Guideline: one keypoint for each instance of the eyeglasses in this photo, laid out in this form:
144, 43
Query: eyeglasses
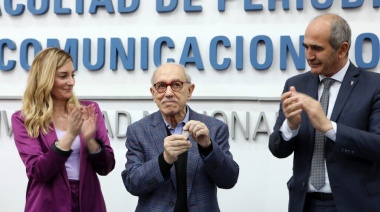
162, 86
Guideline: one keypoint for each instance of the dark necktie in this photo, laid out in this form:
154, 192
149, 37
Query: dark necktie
181, 175
318, 164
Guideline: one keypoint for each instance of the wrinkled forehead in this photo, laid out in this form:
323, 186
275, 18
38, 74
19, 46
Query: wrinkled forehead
169, 72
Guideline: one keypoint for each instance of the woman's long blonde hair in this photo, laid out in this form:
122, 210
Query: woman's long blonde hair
37, 103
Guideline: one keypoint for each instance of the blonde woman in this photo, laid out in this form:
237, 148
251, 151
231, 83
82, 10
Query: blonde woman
62, 141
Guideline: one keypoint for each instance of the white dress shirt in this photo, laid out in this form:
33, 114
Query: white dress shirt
287, 133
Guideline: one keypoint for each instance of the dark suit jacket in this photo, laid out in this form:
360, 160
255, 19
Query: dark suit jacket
353, 160
48, 186
142, 176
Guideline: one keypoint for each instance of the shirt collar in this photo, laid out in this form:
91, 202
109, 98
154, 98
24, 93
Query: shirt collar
183, 122
339, 75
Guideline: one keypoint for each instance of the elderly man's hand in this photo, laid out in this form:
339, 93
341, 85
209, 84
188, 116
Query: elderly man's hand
175, 145
199, 132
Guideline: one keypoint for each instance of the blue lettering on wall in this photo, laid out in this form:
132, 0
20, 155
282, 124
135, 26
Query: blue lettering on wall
8, 6
191, 48
79, 6
100, 54
248, 6
239, 53
71, 46
272, 5
223, 52
122, 8
351, 4
161, 8
144, 55
286, 46
221, 5
58, 9
157, 49
42, 10
376, 3
299, 4
267, 42
107, 4
117, 50
25, 45
360, 40
188, 7
215, 43
10, 63
322, 6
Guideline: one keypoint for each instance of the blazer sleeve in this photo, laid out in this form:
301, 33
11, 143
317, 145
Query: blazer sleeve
102, 162
219, 164
42, 162
141, 176
358, 132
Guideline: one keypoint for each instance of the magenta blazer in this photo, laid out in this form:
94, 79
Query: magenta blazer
48, 186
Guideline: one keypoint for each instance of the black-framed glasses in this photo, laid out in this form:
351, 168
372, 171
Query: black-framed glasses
175, 86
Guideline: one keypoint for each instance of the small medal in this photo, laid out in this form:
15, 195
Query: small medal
185, 133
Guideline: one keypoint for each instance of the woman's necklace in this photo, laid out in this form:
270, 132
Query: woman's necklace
61, 116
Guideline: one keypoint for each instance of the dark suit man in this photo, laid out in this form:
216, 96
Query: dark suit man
177, 158
351, 125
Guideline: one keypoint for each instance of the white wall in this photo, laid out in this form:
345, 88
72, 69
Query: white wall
262, 177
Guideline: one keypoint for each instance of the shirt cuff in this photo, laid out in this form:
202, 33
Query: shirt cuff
204, 152
100, 145
286, 132
60, 151
331, 134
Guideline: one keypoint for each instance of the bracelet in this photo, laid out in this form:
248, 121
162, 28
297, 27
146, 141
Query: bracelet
57, 145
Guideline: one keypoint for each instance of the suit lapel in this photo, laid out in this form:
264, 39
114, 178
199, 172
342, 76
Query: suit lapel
312, 86
158, 131
193, 158
312, 90
349, 82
